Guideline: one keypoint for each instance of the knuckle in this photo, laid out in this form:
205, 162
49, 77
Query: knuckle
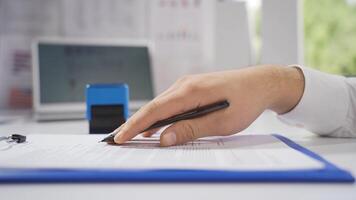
189, 131
188, 84
191, 87
184, 78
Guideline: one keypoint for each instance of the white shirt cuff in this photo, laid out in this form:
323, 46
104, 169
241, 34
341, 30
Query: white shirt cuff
324, 104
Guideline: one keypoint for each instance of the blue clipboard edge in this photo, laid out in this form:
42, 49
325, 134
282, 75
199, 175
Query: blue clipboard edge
330, 173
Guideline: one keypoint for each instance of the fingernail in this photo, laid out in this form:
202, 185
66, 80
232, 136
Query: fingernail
118, 134
118, 137
169, 139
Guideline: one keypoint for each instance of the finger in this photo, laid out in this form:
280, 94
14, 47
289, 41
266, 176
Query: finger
189, 130
158, 109
149, 133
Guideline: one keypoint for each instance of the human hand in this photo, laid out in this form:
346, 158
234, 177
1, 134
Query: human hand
249, 91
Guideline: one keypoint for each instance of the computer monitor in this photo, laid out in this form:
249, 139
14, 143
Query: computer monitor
63, 68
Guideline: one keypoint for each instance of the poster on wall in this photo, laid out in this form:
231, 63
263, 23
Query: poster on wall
21, 21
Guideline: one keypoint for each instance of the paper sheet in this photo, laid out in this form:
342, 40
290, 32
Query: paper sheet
240, 152
105, 18
182, 33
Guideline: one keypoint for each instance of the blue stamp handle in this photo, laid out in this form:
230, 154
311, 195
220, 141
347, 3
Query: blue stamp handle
107, 94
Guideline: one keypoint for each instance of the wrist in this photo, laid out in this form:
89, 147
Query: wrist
288, 88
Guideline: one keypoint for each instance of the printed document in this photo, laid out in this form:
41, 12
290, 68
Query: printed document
238, 152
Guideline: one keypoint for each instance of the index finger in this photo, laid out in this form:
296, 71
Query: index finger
159, 108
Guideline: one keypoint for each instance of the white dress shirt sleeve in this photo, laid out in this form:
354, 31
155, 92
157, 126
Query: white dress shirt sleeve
328, 105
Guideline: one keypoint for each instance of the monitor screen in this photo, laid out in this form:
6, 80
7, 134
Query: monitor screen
65, 70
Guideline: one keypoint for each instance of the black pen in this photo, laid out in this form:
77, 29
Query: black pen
194, 113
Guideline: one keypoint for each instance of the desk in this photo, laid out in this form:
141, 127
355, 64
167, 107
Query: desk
339, 151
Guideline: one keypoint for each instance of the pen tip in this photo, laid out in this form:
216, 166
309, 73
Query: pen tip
103, 140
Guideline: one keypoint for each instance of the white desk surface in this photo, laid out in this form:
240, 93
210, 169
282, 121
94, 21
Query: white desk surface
337, 150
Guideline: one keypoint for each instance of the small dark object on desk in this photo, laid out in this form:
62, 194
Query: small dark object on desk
18, 138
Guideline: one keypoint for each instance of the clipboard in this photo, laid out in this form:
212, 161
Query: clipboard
330, 173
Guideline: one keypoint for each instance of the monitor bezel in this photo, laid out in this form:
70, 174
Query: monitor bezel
80, 106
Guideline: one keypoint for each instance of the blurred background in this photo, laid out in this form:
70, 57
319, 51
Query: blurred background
189, 36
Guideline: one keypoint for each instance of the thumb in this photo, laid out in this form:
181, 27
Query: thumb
182, 132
